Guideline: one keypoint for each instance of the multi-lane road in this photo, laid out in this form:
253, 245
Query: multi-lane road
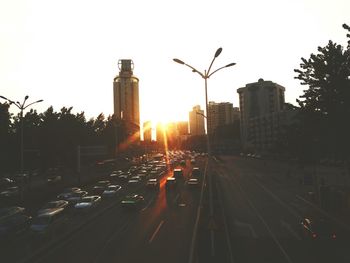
249, 211
264, 207
162, 228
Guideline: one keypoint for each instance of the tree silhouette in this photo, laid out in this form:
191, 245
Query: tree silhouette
325, 105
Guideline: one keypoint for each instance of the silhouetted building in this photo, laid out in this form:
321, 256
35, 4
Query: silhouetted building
160, 133
262, 114
126, 95
182, 127
220, 114
147, 131
196, 121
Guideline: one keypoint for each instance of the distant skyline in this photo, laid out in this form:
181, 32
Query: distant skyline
67, 52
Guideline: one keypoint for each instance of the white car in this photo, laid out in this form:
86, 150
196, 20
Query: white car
53, 205
88, 202
111, 190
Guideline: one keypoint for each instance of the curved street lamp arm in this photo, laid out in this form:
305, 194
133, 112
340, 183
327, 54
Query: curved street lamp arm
229, 65
32, 104
210, 66
196, 71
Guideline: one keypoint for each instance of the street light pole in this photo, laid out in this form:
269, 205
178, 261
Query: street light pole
206, 75
22, 106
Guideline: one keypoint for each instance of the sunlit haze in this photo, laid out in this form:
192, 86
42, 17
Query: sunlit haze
67, 52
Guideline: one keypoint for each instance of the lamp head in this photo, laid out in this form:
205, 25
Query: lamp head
217, 53
230, 65
179, 61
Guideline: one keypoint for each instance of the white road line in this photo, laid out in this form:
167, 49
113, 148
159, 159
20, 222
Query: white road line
195, 228
248, 226
278, 199
148, 204
155, 232
177, 197
288, 259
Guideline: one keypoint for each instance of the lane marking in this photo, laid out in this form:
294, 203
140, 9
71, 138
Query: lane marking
176, 197
246, 225
155, 232
277, 199
148, 204
288, 259
228, 240
195, 228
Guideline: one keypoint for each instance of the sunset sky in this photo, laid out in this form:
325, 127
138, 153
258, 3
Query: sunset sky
66, 52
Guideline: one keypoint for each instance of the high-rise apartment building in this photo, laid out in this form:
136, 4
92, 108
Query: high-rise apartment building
262, 114
219, 114
126, 95
196, 121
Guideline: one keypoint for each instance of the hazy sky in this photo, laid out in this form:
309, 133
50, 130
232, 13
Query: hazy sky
66, 51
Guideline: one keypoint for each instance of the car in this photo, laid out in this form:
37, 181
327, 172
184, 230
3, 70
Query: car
111, 190
10, 192
13, 221
317, 229
53, 179
132, 201
75, 197
67, 191
87, 203
195, 172
124, 176
170, 183
53, 205
6, 182
100, 187
115, 174
193, 182
153, 183
178, 173
49, 222
134, 182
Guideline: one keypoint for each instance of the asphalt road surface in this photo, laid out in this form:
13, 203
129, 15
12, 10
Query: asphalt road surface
249, 211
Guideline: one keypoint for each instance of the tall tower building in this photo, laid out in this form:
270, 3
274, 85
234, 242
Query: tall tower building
196, 121
126, 95
261, 104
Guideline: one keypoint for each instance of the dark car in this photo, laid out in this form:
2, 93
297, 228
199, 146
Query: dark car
170, 183
100, 187
195, 172
67, 191
13, 221
10, 192
54, 179
318, 229
132, 201
6, 182
193, 183
153, 183
178, 173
